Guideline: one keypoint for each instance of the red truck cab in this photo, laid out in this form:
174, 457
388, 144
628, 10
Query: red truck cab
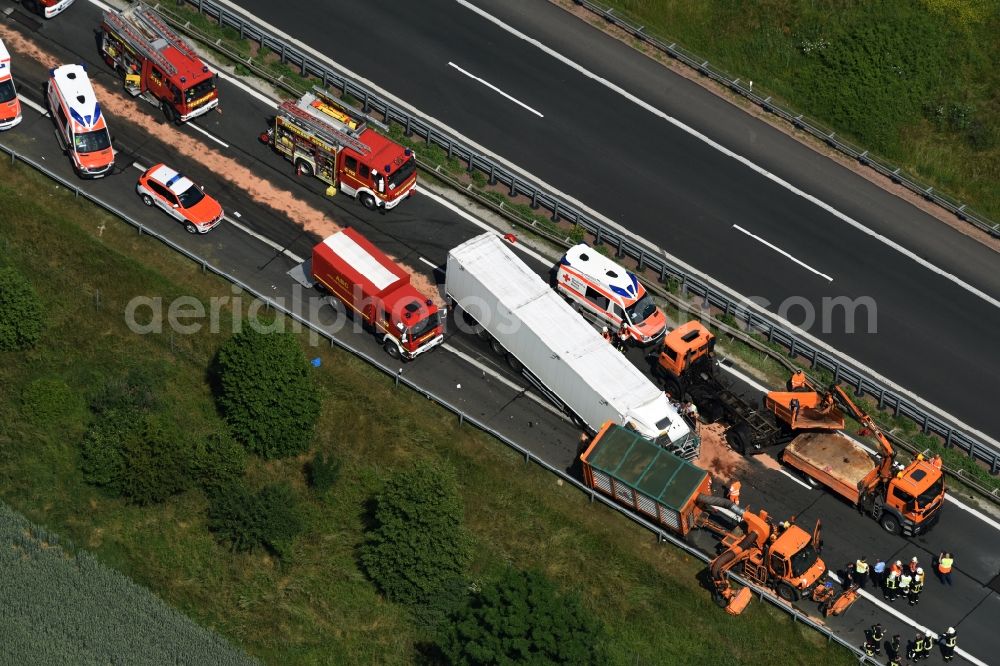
372, 285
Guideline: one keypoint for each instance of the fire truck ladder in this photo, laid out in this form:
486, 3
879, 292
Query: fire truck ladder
306, 122
137, 40
147, 15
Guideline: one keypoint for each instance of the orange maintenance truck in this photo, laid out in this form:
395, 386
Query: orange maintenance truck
157, 64
330, 140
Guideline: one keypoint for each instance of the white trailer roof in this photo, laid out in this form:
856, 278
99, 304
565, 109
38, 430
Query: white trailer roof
359, 259
564, 331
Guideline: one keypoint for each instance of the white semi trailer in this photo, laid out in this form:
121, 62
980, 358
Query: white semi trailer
565, 358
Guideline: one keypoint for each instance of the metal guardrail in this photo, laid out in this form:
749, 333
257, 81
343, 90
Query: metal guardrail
399, 378
517, 185
800, 121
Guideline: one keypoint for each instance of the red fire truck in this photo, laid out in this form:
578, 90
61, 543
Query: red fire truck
157, 64
406, 322
324, 138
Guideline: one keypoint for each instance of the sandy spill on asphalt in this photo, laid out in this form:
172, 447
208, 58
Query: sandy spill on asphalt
258, 189
716, 457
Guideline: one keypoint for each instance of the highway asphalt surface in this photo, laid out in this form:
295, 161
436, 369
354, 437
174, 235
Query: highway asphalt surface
465, 372
934, 337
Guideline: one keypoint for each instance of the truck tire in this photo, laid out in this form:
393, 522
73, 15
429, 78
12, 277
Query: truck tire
33, 7
719, 600
739, 439
671, 386
787, 592
170, 114
497, 347
514, 364
890, 523
303, 167
391, 349
367, 200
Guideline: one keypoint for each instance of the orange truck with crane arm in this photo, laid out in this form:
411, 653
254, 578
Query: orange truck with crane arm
807, 423
676, 495
156, 64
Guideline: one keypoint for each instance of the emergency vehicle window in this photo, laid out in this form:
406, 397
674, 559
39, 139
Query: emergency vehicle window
162, 191
62, 116
7, 91
175, 93
617, 311
350, 163
597, 298
365, 171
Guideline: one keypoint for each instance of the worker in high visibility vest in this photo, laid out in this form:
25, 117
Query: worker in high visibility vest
861, 572
797, 381
904, 583
945, 562
949, 641
916, 650
734, 492
916, 587
891, 586
873, 640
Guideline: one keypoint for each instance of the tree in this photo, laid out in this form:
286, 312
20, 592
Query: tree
246, 520
521, 619
21, 319
418, 547
267, 393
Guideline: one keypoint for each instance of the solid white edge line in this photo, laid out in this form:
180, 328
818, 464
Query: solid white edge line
792, 477
904, 618
782, 252
208, 134
482, 225
978, 514
34, 105
495, 89
733, 295
503, 380
429, 263
263, 239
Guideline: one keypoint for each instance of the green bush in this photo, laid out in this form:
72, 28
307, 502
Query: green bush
217, 461
135, 456
521, 619
136, 390
21, 318
418, 546
246, 520
267, 393
323, 471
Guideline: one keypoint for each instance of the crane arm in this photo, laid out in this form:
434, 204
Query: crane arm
886, 450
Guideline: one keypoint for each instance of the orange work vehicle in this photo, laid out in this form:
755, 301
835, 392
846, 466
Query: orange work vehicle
10, 106
405, 322
156, 64
330, 140
80, 124
906, 500
784, 559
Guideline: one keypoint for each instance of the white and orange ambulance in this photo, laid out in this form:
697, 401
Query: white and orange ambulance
80, 124
609, 294
10, 106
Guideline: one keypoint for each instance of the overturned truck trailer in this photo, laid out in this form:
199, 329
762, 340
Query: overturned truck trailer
562, 355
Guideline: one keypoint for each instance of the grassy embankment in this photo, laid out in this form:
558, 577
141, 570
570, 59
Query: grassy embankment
315, 606
914, 81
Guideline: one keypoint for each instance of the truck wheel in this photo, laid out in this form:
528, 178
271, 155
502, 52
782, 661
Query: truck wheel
672, 386
148, 200
391, 349
497, 347
33, 6
890, 524
514, 364
367, 200
304, 167
739, 439
787, 592
719, 600
170, 114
